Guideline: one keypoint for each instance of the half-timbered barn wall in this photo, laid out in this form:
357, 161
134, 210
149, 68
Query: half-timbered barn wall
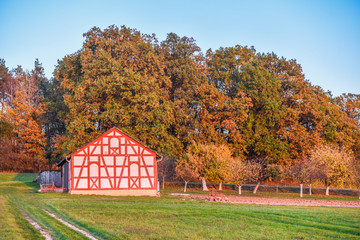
113, 164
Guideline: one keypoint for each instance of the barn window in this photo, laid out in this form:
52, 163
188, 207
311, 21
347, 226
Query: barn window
114, 143
134, 170
94, 170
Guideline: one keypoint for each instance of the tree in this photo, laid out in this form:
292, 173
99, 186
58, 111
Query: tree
53, 119
219, 157
260, 106
224, 67
263, 173
355, 173
8, 86
118, 79
277, 173
5, 129
6, 143
301, 171
8, 156
240, 172
24, 114
198, 158
186, 172
209, 161
332, 163
301, 104
287, 116
166, 168
350, 103
202, 112
262, 126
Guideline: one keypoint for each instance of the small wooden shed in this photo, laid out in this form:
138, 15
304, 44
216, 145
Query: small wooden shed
113, 164
49, 177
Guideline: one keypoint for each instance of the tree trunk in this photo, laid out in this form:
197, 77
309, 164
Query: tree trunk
163, 183
205, 188
301, 190
327, 190
185, 187
239, 189
277, 187
220, 186
256, 187
310, 189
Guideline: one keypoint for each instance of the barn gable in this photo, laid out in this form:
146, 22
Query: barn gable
114, 164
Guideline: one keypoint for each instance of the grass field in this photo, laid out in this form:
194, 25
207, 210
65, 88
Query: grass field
164, 218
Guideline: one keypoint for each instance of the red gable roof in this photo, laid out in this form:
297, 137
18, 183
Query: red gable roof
158, 156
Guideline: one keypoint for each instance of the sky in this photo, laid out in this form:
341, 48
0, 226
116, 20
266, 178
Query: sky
323, 36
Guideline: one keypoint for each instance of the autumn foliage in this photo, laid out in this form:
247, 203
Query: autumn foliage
216, 112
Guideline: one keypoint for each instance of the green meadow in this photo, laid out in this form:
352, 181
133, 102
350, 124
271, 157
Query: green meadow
166, 217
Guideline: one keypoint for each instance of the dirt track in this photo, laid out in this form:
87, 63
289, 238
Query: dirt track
288, 202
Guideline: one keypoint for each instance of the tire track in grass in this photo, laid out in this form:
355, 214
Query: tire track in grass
21, 198
50, 229
42, 231
85, 233
30, 211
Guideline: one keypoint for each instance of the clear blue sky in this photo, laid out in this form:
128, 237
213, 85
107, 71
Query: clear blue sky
323, 36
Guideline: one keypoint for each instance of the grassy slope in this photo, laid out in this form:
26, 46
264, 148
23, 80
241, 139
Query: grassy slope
171, 217
12, 223
21, 198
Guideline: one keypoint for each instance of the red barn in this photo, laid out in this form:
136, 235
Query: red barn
113, 164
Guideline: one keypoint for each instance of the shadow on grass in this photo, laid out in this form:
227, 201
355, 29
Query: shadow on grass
28, 179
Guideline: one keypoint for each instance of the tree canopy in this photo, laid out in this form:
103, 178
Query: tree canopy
230, 104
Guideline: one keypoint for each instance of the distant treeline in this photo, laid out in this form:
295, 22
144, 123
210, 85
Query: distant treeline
172, 97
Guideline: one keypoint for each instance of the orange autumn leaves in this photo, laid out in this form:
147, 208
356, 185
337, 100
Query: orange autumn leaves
170, 94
